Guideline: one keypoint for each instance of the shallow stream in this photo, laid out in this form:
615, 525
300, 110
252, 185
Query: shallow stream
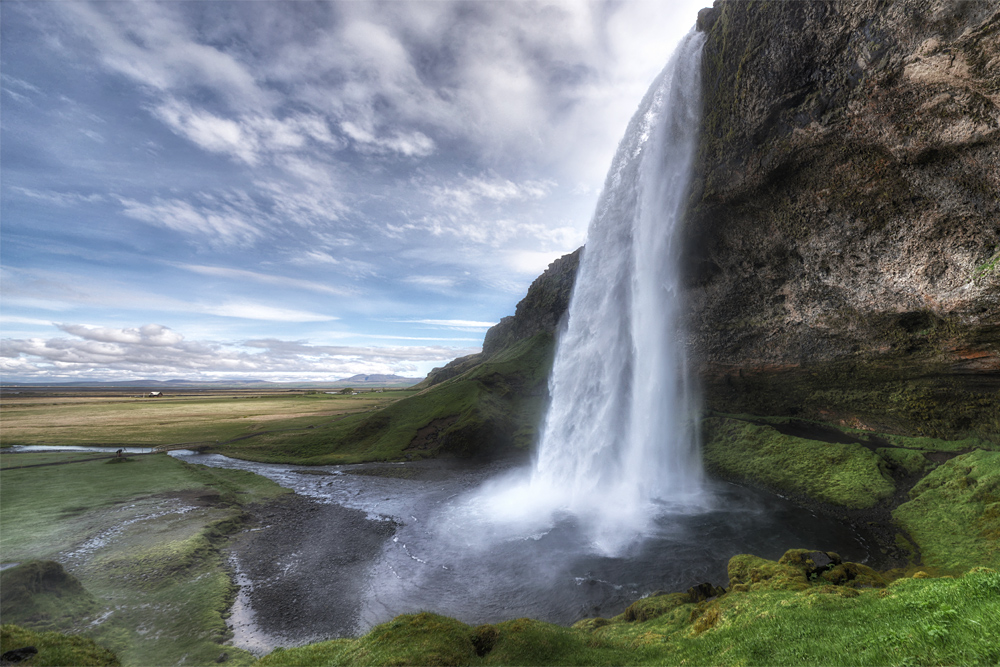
445, 558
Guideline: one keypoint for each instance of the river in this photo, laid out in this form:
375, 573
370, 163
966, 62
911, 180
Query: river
437, 551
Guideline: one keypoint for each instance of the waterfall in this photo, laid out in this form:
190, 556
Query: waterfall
619, 445
620, 432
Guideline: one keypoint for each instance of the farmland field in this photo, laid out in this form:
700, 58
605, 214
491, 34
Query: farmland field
189, 417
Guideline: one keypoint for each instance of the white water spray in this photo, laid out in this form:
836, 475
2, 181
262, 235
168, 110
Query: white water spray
620, 441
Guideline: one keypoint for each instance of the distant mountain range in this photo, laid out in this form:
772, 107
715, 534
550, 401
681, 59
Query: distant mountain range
381, 379
245, 383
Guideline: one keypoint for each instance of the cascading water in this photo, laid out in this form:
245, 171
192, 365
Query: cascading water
618, 458
619, 443
619, 433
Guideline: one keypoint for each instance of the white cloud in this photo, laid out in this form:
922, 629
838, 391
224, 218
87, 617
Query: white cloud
466, 194
231, 223
460, 325
256, 311
432, 282
412, 144
208, 131
151, 44
154, 335
65, 199
268, 279
15, 319
155, 351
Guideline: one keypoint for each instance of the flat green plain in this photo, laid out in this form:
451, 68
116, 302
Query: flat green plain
196, 418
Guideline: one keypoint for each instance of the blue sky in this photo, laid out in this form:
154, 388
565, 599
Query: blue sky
298, 190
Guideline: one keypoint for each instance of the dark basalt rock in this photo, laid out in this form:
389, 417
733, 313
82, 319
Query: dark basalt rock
17, 655
705, 591
842, 235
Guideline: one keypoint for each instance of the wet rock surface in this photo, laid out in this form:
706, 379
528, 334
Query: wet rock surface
307, 564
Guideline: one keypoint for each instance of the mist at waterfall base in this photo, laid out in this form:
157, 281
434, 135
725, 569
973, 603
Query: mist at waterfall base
619, 446
615, 506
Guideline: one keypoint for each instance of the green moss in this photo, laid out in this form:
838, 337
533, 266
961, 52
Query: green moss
910, 460
43, 594
854, 575
912, 621
751, 573
651, 607
55, 649
417, 639
922, 444
954, 512
841, 474
986, 268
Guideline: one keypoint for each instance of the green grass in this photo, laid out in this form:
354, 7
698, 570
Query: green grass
87, 420
154, 583
55, 649
954, 512
910, 622
912, 461
47, 510
42, 592
490, 409
848, 475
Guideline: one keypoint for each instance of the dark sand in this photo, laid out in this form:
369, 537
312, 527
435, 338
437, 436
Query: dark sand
307, 562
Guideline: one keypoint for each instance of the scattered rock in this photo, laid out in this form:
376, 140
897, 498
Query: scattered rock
705, 591
17, 655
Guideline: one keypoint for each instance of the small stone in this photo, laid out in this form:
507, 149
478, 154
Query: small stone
18, 655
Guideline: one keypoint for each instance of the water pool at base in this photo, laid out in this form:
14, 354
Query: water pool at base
445, 559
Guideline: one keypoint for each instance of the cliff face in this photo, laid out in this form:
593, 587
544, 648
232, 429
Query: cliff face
844, 229
538, 312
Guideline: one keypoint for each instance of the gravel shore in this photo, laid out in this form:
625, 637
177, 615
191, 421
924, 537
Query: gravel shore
302, 566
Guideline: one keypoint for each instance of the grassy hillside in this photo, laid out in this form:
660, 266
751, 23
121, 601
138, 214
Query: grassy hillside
491, 409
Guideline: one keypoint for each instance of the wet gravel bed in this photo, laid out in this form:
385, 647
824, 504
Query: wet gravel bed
304, 568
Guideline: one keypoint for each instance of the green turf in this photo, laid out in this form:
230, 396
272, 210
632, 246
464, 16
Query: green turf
55, 649
795, 622
842, 474
954, 512
143, 539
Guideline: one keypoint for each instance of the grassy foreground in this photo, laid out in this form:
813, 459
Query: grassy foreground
142, 574
911, 621
806, 609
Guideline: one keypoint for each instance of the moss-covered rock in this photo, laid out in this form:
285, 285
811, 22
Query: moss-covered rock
752, 573
45, 596
651, 607
854, 575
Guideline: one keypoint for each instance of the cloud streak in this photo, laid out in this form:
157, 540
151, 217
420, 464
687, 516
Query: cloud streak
155, 351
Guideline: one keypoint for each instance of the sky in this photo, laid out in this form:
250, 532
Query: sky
298, 191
